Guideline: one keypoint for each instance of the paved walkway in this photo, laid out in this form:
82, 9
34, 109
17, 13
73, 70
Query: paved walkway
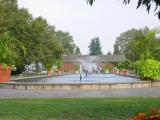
12, 93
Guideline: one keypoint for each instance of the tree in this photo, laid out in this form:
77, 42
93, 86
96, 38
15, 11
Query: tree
138, 44
146, 46
44, 47
122, 41
36, 35
77, 51
147, 3
67, 42
109, 53
8, 9
95, 47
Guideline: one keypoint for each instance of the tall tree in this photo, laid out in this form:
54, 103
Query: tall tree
77, 51
95, 47
109, 53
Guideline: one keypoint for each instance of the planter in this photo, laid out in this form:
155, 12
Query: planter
49, 73
5, 73
126, 72
121, 72
58, 72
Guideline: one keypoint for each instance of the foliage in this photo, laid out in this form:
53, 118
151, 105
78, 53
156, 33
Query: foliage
108, 66
122, 41
153, 115
148, 70
41, 41
77, 51
59, 64
138, 65
9, 49
147, 3
48, 66
90, 1
66, 41
77, 67
124, 65
147, 45
138, 44
109, 53
95, 47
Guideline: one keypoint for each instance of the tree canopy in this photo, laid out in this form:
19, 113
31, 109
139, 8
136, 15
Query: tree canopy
66, 41
147, 3
41, 41
139, 44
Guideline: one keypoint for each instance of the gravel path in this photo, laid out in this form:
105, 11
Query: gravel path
12, 93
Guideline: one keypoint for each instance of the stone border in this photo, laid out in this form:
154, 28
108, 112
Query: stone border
79, 86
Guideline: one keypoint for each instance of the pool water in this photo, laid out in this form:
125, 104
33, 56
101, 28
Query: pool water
91, 78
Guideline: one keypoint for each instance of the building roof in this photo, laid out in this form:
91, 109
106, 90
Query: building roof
94, 59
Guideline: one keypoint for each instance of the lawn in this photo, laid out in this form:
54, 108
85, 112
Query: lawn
75, 109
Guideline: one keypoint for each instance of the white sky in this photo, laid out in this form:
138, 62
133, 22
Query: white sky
105, 19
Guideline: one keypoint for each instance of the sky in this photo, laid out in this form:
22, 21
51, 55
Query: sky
106, 19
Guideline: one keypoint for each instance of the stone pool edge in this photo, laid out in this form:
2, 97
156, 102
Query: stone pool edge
79, 86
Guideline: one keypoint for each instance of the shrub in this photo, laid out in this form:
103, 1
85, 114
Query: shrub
59, 64
153, 115
124, 65
148, 70
108, 66
77, 67
48, 66
10, 49
137, 66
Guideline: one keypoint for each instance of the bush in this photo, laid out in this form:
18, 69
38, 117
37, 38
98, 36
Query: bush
108, 66
124, 65
148, 70
154, 114
10, 49
137, 66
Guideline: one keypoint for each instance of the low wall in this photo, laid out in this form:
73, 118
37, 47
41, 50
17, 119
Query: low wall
79, 86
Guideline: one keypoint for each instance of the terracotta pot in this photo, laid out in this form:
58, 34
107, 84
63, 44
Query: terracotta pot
126, 72
121, 72
58, 72
49, 73
117, 71
5, 73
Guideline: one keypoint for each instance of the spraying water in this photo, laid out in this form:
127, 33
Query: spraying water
89, 65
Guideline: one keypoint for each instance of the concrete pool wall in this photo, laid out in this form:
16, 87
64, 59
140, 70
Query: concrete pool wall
71, 82
79, 86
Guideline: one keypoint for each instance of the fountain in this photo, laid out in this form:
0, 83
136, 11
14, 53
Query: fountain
90, 78
88, 66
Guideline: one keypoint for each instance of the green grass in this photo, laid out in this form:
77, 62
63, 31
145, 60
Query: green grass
75, 109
